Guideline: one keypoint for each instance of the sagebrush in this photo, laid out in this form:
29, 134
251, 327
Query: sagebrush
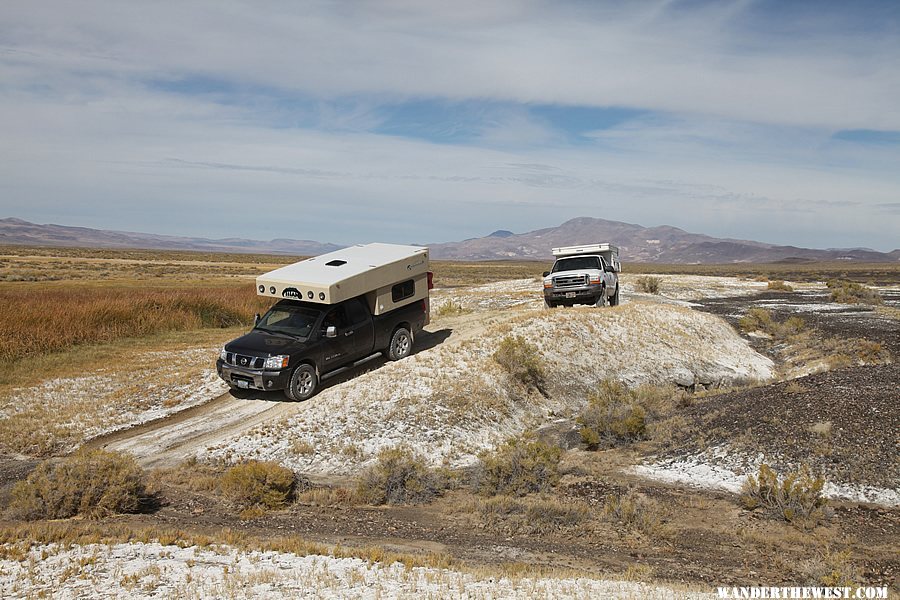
92, 483
796, 497
258, 485
400, 476
522, 360
648, 284
517, 467
614, 414
850, 292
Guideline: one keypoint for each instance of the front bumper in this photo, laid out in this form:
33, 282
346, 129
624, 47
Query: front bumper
253, 379
579, 294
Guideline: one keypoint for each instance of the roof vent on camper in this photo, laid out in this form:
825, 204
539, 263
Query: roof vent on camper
335, 263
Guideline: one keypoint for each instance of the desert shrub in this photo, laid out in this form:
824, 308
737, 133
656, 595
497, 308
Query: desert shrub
521, 359
256, 486
451, 309
756, 319
399, 476
797, 497
648, 284
634, 511
830, 569
517, 467
614, 414
510, 515
779, 286
850, 292
759, 319
92, 483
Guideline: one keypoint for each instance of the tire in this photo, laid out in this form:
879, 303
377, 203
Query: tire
601, 299
548, 304
614, 301
401, 344
303, 384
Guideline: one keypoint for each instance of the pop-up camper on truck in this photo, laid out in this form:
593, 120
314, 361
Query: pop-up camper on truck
333, 311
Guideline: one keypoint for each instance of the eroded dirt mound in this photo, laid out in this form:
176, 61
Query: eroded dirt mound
453, 400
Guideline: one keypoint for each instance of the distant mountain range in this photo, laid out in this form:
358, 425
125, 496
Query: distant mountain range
662, 244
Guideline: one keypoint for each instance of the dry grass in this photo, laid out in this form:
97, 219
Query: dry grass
634, 511
38, 324
509, 515
93, 483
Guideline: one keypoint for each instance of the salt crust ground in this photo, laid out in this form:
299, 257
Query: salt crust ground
452, 401
159, 384
150, 570
722, 468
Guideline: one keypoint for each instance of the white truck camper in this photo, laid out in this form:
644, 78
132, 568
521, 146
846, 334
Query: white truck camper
586, 274
373, 270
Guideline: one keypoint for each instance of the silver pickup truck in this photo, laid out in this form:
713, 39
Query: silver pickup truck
583, 275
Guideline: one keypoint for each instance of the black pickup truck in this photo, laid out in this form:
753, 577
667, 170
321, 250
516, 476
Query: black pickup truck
295, 344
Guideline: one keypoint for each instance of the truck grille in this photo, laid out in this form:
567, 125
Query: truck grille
570, 281
242, 360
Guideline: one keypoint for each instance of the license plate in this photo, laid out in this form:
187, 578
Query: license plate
242, 384
570, 294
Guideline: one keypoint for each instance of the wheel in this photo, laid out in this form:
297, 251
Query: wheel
601, 300
401, 344
303, 383
614, 301
548, 304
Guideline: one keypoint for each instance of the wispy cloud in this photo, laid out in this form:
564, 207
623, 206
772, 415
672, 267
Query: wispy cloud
734, 118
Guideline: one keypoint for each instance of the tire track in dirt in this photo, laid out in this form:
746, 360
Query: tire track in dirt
170, 440
167, 441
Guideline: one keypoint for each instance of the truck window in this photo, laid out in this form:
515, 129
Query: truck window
296, 320
335, 317
356, 312
404, 290
576, 263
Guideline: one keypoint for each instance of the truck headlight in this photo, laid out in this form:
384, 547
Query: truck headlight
277, 362
223, 354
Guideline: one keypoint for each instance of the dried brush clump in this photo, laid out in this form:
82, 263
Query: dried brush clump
522, 360
634, 511
614, 415
760, 319
796, 497
648, 284
92, 483
518, 467
850, 292
257, 486
400, 476
777, 285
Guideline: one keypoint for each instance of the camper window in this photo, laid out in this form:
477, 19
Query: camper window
403, 290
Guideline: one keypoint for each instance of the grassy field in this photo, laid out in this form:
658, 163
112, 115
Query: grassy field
53, 300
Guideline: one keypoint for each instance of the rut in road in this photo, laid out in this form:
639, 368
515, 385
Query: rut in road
171, 440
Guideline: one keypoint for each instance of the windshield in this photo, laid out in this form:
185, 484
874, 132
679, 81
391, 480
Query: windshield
576, 264
293, 320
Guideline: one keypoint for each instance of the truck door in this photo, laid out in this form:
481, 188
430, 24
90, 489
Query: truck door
338, 350
607, 277
360, 331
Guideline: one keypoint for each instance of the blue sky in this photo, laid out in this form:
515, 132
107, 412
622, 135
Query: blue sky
410, 121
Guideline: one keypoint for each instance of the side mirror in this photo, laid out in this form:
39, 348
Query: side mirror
546, 273
331, 331
256, 319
